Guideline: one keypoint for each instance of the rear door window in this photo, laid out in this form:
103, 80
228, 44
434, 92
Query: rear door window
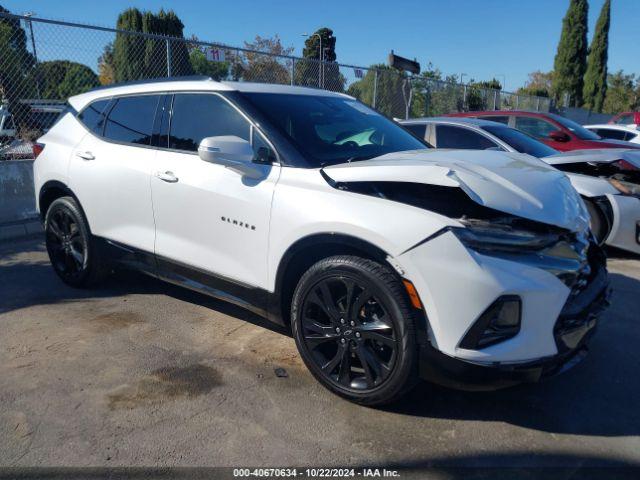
93, 116
611, 133
417, 129
497, 118
535, 127
131, 119
448, 136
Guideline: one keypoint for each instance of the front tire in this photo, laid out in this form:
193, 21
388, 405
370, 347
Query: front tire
355, 330
598, 223
72, 249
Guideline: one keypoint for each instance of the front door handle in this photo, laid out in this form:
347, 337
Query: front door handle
85, 155
167, 176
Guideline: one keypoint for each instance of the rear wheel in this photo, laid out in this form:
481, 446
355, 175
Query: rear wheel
355, 330
71, 248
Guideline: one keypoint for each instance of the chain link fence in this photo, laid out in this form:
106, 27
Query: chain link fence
43, 62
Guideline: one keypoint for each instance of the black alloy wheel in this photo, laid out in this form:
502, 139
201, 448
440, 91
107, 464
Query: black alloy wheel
354, 329
70, 244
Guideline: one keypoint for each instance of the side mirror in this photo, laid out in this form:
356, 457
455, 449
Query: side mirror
233, 152
559, 136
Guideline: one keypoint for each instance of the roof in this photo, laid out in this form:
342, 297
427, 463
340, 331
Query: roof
614, 126
195, 83
498, 113
476, 122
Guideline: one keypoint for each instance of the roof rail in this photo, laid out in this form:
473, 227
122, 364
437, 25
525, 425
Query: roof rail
186, 78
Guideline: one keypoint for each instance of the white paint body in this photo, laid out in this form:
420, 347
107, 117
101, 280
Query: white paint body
124, 200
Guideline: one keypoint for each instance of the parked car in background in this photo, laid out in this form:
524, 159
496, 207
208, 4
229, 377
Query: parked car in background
628, 133
608, 180
387, 260
626, 118
554, 130
7, 128
17, 150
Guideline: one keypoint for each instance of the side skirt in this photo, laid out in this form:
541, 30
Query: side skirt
254, 299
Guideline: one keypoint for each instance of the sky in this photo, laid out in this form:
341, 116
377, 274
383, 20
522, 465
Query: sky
505, 39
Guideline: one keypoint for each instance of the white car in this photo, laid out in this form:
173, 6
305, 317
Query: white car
608, 179
388, 261
628, 133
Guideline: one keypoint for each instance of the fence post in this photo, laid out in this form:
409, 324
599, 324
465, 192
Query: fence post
293, 70
537, 104
168, 43
495, 99
375, 88
517, 101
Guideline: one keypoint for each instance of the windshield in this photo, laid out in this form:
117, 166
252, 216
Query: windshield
577, 129
331, 130
520, 141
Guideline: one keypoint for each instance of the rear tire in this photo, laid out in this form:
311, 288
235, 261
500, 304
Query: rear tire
72, 249
355, 329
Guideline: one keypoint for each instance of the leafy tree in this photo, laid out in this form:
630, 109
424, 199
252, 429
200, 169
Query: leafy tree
623, 93
309, 72
595, 80
571, 58
128, 50
60, 79
16, 64
269, 68
539, 84
106, 72
135, 57
480, 94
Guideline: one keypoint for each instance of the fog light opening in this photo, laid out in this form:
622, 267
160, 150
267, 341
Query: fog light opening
498, 323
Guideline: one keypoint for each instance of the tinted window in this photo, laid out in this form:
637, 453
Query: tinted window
93, 116
625, 119
536, 127
520, 142
610, 133
575, 128
196, 116
456, 137
417, 130
131, 119
497, 118
329, 130
630, 136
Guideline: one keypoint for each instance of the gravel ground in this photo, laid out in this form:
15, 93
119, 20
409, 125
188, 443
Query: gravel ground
138, 372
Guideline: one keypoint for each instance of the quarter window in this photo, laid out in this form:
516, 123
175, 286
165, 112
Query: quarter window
462, 138
535, 127
197, 116
93, 116
131, 119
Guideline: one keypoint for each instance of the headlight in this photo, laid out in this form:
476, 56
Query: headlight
503, 238
625, 188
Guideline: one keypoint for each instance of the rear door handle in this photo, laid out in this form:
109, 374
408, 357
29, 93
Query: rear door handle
85, 155
167, 176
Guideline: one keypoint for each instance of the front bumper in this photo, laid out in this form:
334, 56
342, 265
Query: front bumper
572, 331
625, 231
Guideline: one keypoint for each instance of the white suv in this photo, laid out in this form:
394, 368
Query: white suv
389, 261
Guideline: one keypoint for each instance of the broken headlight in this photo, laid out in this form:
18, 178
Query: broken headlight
498, 237
625, 188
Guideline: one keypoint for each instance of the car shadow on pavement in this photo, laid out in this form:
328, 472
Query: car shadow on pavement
596, 397
26, 282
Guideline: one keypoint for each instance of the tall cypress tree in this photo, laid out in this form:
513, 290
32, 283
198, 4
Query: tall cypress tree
595, 80
571, 58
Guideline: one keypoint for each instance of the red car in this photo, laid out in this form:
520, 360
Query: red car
556, 131
626, 118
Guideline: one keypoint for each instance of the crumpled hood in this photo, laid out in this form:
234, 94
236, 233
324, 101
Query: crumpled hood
513, 183
604, 155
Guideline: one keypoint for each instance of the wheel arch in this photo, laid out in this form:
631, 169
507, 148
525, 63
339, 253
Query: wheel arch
309, 250
52, 190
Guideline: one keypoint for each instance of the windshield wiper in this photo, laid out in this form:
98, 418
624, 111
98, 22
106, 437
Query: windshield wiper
357, 158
